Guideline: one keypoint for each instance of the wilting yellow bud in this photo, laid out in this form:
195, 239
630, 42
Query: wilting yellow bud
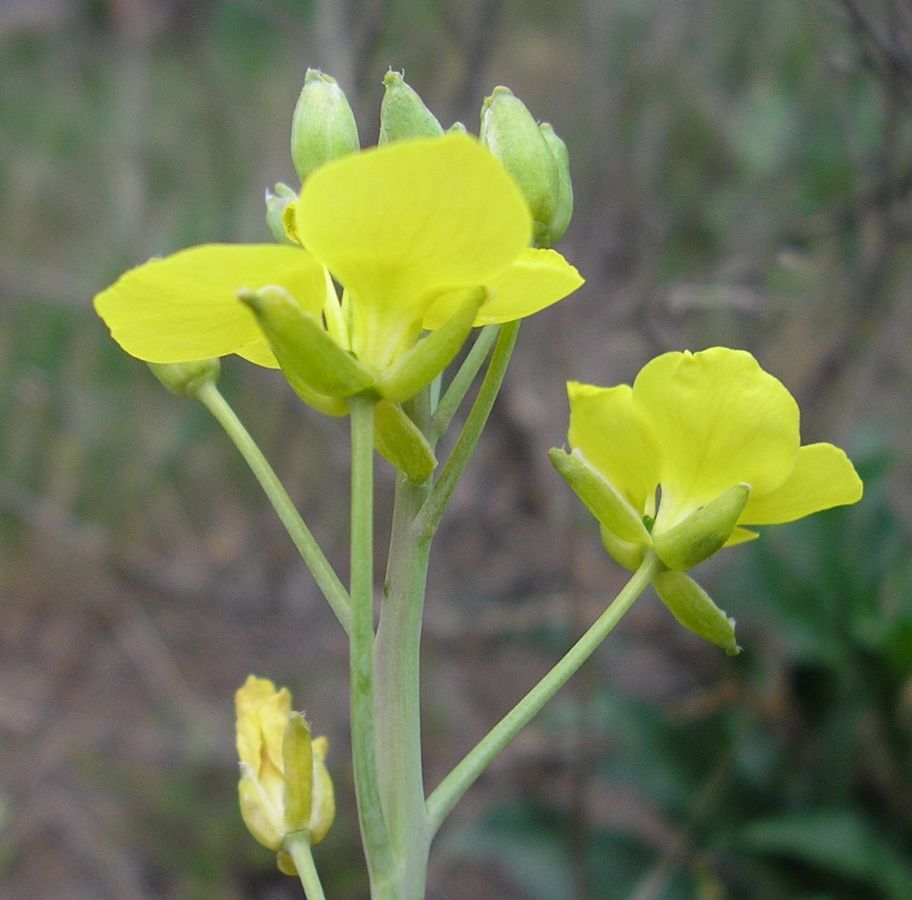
284, 785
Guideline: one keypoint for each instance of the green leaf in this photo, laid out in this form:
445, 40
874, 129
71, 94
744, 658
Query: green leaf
839, 842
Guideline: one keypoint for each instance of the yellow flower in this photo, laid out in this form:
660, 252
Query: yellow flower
701, 445
416, 232
284, 785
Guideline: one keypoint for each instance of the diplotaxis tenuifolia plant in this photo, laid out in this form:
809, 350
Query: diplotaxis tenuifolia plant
388, 260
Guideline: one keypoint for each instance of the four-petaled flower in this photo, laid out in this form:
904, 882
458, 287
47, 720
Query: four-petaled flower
418, 233
700, 446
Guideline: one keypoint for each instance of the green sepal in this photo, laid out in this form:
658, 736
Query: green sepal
311, 360
695, 610
403, 113
512, 135
186, 378
457, 128
323, 126
628, 554
297, 755
421, 364
563, 212
277, 201
601, 497
703, 532
285, 864
400, 442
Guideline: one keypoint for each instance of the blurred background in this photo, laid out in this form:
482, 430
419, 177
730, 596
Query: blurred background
743, 175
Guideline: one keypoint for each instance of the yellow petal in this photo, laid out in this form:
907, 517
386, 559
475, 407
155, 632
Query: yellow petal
741, 536
533, 281
823, 477
262, 713
259, 352
718, 420
401, 224
183, 307
605, 427
262, 818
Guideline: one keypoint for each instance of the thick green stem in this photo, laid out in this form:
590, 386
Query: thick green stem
397, 700
367, 786
323, 573
436, 504
297, 844
451, 789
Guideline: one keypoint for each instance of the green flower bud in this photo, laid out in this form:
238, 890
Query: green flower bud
323, 126
703, 532
512, 135
695, 610
564, 211
403, 113
186, 379
316, 367
277, 201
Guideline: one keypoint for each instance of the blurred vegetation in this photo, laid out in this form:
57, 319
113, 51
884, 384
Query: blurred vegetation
743, 175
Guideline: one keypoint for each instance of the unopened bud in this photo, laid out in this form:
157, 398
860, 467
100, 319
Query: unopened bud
323, 126
403, 113
513, 136
563, 212
186, 379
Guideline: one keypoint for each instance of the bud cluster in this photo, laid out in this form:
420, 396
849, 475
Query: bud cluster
323, 128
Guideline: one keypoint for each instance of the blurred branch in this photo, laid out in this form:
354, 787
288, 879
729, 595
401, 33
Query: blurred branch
881, 36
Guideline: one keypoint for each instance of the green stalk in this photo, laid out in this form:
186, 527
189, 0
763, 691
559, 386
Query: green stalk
361, 667
301, 536
462, 380
451, 789
397, 700
436, 504
297, 844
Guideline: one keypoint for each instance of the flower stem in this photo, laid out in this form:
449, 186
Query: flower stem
432, 512
324, 574
397, 699
297, 844
367, 786
462, 380
461, 778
